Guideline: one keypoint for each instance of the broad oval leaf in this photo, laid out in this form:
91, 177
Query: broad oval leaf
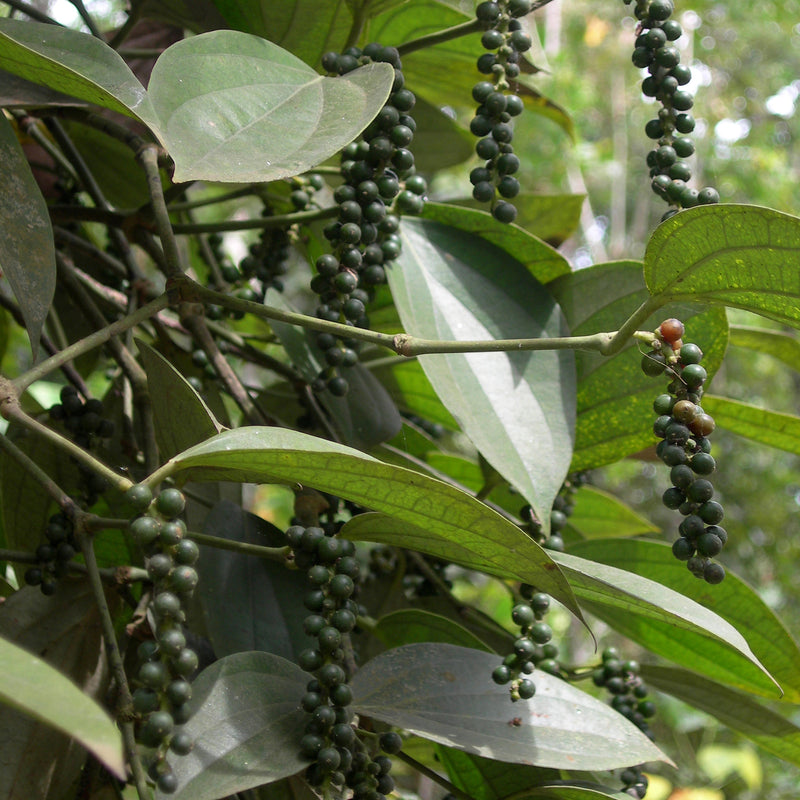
516, 407
27, 254
506, 555
553, 218
766, 427
76, 64
445, 693
598, 514
35, 688
667, 623
275, 455
544, 262
249, 603
783, 346
735, 255
613, 391
181, 416
412, 625
246, 725
760, 724
733, 600
486, 779
235, 107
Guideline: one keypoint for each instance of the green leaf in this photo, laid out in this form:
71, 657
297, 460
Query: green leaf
598, 514
486, 779
412, 625
783, 346
304, 27
439, 141
235, 107
446, 694
614, 391
272, 455
411, 390
246, 725
552, 218
35, 688
249, 603
516, 407
569, 790
16, 92
542, 261
667, 623
766, 728
27, 254
733, 600
196, 15
766, 427
76, 64
736, 255
182, 418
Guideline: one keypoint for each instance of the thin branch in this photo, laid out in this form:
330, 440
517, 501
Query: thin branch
37, 473
33, 128
125, 703
87, 18
272, 553
96, 339
31, 12
12, 411
113, 576
447, 35
275, 221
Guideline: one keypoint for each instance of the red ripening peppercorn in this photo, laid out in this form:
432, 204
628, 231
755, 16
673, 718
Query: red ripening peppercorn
671, 330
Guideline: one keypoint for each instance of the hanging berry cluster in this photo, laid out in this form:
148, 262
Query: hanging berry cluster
165, 662
630, 698
53, 555
494, 183
532, 647
684, 428
380, 182
85, 423
339, 755
655, 52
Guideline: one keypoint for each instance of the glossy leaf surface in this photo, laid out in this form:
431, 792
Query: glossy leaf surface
666, 622
516, 407
247, 725
234, 107
783, 346
446, 694
34, 687
412, 625
758, 723
452, 518
599, 514
182, 418
736, 255
76, 64
27, 254
759, 424
732, 600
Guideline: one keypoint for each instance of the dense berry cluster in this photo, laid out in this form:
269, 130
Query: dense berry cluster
165, 662
339, 757
532, 647
630, 698
54, 555
505, 40
654, 50
684, 428
380, 182
562, 509
85, 423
